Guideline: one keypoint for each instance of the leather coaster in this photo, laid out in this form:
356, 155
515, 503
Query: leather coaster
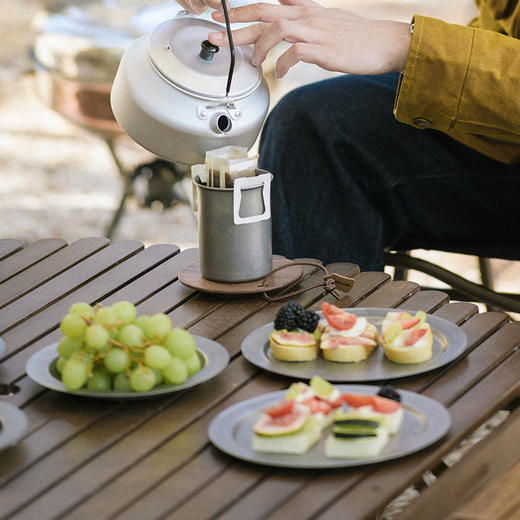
192, 277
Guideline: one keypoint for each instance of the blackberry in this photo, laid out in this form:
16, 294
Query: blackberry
308, 321
389, 392
288, 316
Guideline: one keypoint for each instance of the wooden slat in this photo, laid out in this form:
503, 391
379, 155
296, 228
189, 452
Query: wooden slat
163, 450
391, 294
168, 493
491, 353
171, 456
500, 501
429, 301
28, 256
9, 246
63, 284
457, 312
154, 281
237, 480
48, 267
489, 460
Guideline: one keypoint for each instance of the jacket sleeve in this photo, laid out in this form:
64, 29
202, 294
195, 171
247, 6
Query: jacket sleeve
463, 81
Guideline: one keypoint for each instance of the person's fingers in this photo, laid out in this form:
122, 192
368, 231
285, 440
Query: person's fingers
215, 4
244, 36
262, 12
281, 30
199, 6
306, 52
193, 6
297, 2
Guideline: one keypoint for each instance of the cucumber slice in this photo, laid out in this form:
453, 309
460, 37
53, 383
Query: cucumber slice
363, 423
352, 435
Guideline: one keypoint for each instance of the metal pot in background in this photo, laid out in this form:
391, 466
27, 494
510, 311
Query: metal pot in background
77, 49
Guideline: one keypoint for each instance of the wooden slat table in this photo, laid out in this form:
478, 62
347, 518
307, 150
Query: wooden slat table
147, 459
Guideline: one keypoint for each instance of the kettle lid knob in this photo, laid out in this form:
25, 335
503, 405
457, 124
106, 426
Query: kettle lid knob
208, 50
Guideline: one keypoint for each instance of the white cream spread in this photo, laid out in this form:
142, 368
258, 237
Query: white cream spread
399, 340
358, 329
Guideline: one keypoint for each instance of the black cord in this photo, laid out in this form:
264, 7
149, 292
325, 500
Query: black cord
231, 48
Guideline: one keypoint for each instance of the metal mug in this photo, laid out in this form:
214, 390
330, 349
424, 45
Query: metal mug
235, 229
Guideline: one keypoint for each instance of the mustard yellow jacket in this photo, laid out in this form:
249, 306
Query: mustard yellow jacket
465, 80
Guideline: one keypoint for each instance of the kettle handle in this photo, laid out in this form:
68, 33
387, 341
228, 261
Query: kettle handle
241, 183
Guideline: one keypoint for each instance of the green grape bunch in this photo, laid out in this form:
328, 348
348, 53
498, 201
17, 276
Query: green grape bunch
107, 348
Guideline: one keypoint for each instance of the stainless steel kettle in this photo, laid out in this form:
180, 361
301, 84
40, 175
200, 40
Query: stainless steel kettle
171, 92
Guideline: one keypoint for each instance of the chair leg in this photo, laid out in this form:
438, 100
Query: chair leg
486, 274
401, 273
486, 277
128, 190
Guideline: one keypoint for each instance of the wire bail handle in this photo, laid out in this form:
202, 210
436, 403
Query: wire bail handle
332, 282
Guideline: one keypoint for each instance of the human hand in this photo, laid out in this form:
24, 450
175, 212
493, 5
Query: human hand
198, 6
334, 39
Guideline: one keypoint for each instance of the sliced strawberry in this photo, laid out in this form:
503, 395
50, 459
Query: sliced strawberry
337, 402
413, 336
313, 404
409, 323
357, 400
384, 405
337, 318
324, 407
328, 308
281, 408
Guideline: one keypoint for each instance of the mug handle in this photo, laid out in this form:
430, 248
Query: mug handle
241, 183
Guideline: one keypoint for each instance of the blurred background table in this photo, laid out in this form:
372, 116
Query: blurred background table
151, 458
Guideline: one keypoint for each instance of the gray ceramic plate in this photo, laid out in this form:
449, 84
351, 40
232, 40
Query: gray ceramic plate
13, 423
41, 367
425, 421
449, 342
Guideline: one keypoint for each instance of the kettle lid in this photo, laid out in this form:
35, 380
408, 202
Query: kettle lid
174, 47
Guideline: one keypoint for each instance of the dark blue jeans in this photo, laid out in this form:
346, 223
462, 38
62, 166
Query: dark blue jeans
350, 180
